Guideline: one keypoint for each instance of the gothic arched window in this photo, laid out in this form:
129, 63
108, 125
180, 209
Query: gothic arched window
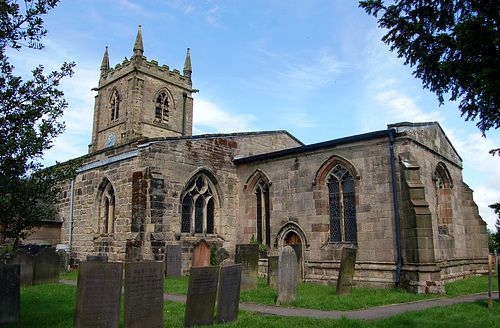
341, 197
444, 209
107, 209
115, 105
162, 107
198, 206
263, 212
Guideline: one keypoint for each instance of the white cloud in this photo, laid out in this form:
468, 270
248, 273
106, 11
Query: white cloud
484, 196
211, 116
403, 108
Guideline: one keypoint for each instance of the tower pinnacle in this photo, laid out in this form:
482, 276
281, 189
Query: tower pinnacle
138, 47
187, 65
105, 62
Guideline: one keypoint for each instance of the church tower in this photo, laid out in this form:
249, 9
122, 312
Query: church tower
138, 99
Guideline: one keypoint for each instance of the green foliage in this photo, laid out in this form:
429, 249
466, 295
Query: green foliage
213, 254
29, 121
262, 247
454, 46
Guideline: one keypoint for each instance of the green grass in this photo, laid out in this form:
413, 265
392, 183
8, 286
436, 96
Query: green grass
53, 306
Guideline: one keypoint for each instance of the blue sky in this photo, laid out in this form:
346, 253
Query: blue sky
314, 68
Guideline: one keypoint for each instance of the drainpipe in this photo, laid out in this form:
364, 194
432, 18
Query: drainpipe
184, 96
396, 209
71, 213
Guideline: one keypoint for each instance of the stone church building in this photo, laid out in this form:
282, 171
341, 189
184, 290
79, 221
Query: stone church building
397, 195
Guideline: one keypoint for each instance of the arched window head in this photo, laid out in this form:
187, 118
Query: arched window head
162, 107
263, 212
115, 105
342, 203
198, 206
444, 210
107, 209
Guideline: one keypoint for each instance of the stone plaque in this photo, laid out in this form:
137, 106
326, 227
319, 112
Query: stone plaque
98, 258
10, 293
143, 296
222, 254
298, 251
27, 262
248, 256
346, 274
63, 260
201, 254
46, 268
173, 261
272, 271
229, 293
287, 276
98, 294
202, 293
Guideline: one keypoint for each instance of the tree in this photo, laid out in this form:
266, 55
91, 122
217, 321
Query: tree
454, 46
29, 113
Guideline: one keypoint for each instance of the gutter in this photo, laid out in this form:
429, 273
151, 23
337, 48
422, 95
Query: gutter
396, 207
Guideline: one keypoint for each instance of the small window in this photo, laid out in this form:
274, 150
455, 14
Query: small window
263, 213
107, 212
198, 207
162, 107
115, 106
341, 198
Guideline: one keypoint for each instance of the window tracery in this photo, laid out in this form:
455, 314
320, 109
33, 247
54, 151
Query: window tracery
198, 206
162, 107
107, 209
263, 212
115, 105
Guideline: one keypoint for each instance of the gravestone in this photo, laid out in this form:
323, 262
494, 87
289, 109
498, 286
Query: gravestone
10, 293
143, 296
27, 262
272, 271
46, 268
98, 294
248, 256
298, 251
346, 273
229, 293
63, 260
173, 261
97, 258
222, 254
287, 276
201, 254
201, 296
226, 262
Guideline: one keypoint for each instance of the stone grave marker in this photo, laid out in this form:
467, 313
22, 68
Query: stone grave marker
27, 262
287, 276
222, 254
201, 296
98, 294
143, 296
173, 261
201, 254
227, 262
248, 256
272, 271
298, 251
63, 260
229, 293
46, 268
10, 293
346, 273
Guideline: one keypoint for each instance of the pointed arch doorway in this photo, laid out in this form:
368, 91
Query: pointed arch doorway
292, 238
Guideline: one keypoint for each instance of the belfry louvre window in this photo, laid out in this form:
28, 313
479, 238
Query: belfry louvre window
162, 108
263, 213
115, 105
341, 197
198, 207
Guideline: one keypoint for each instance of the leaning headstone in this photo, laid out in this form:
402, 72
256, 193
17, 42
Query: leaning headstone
63, 260
272, 271
222, 254
226, 262
229, 293
248, 255
98, 294
27, 262
46, 269
287, 276
346, 274
201, 254
10, 293
173, 261
201, 296
298, 251
143, 296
